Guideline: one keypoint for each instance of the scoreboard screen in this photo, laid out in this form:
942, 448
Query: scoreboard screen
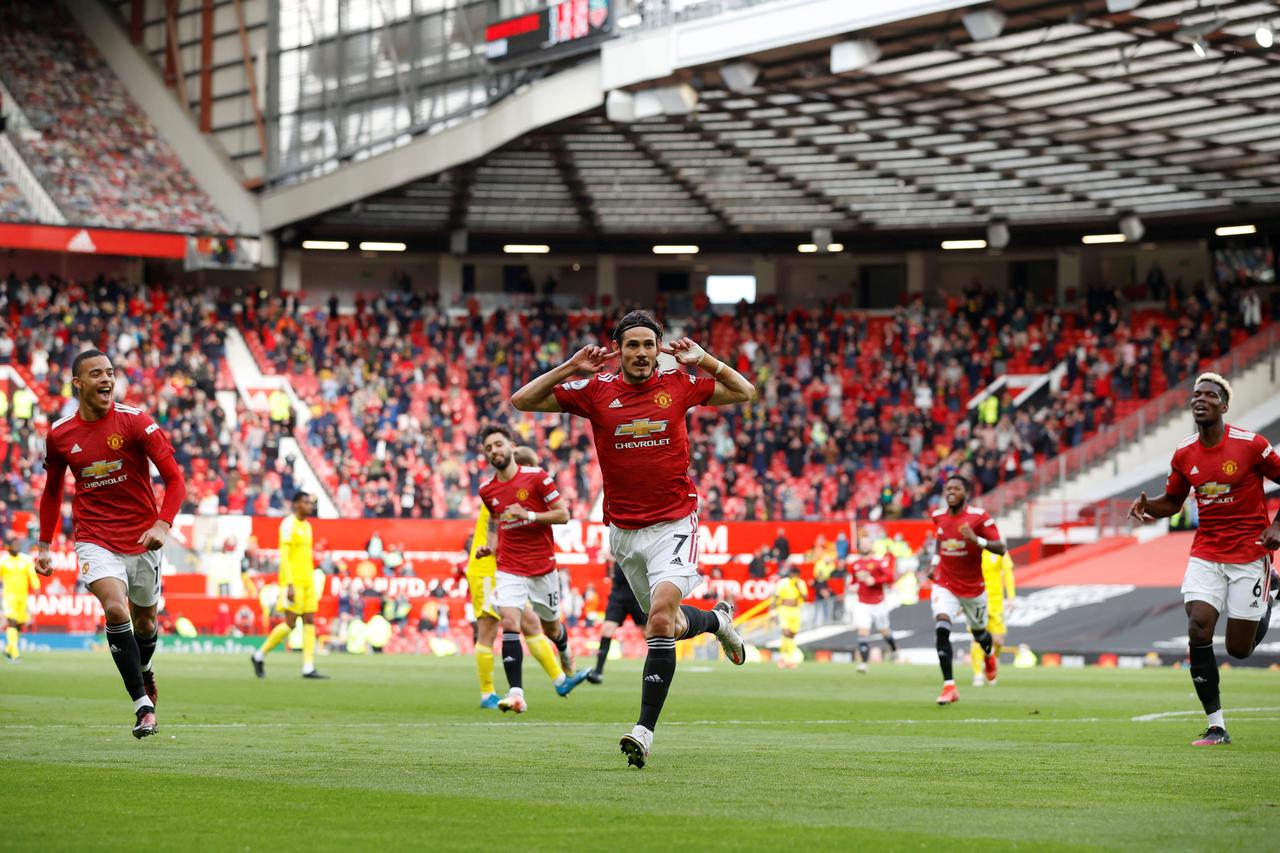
553, 31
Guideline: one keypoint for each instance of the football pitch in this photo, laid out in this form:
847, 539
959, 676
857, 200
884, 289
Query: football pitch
394, 754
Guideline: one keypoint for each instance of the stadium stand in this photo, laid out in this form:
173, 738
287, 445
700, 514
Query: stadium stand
13, 207
90, 145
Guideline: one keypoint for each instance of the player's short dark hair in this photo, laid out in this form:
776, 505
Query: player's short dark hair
631, 320
499, 429
964, 481
299, 495
85, 356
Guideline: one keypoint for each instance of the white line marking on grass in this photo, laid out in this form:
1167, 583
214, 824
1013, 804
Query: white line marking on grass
1164, 715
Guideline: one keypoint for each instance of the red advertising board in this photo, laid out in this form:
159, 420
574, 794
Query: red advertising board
93, 241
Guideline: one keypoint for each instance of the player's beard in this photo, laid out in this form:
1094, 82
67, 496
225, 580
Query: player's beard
500, 463
639, 373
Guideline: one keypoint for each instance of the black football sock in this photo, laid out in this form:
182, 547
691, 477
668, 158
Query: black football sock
561, 640
700, 621
659, 670
864, 650
1263, 624
891, 642
513, 660
1204, 676
983, 639
147, 648
124, 651
944, 651
603, 654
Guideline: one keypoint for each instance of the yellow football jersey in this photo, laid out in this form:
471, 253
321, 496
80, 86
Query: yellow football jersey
791, 589
480, 538
18, 572
297, 564
997, 574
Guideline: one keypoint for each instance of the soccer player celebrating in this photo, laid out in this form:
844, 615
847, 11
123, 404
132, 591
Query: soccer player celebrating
957, 576
1230, 565
871, 612
18, 574
527, 503
789, 599
297, 579
622, 603
118, 529
638, 422
997, 577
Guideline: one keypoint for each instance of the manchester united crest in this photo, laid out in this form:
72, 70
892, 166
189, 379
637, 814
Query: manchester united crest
663, 399
115, 441
522, 494
1230, 467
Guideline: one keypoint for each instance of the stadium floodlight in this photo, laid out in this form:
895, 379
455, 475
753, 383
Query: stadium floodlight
835, 248
1235, 230
675, 250
807, 248
1094, 239
952, 245
1200, 47
1264, 35
852, 55
985, 23
739, 76
626, 107
526, 249
327, 245
379, 246
1132, 228
1114, 7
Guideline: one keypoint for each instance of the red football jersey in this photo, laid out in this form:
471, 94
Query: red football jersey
641, 441
960, 569
881, 571
1228, 484
524, 547
114, 503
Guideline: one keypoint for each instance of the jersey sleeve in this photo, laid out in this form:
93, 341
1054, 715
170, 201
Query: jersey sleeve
1177, 486
1270, 460
547, 488
987, 527
286, 551
576, 397
155, 442
480, 536
1006, 574
699, 391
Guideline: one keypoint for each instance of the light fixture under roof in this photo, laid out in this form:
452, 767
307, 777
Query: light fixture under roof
835, 248
326, 245
985, 23
380, 246
807, 248
739, 76
1235, 230
675, 250
1264, 35
1114, 7
953, 245
1095, 239
526, 249
852, 55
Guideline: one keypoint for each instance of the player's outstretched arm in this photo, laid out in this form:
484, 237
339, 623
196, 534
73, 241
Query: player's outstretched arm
732, 387
556, 513
1145, 510
539, 395
994, 543
50, 510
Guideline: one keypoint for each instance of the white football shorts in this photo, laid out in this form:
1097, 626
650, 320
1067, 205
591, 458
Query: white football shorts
660, 553
871, 617
139, 572
1238, 589
540, 591
947, 603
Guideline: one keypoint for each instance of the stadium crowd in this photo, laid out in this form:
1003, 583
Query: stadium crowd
89, 144
13, 207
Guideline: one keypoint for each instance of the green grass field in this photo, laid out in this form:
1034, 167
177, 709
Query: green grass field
394, 753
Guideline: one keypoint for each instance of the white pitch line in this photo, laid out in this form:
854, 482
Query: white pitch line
1163, 715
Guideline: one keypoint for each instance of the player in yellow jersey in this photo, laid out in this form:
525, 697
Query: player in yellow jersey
18, 573
997, 575
300, 596
789, 599
481, 573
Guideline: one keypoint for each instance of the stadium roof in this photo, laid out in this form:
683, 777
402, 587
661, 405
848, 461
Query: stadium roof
1072, 116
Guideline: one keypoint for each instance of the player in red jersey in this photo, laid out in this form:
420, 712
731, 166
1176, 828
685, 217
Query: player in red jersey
118, 529
871, 613
1230, 566
638, 422
963, 533
525, 502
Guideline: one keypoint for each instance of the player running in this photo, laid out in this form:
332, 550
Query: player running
957, 576
527, 503
788, 602
622, 603
18, 574
1230, 565
638, 423
871, 612
118, 529
297, 580
997, 577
